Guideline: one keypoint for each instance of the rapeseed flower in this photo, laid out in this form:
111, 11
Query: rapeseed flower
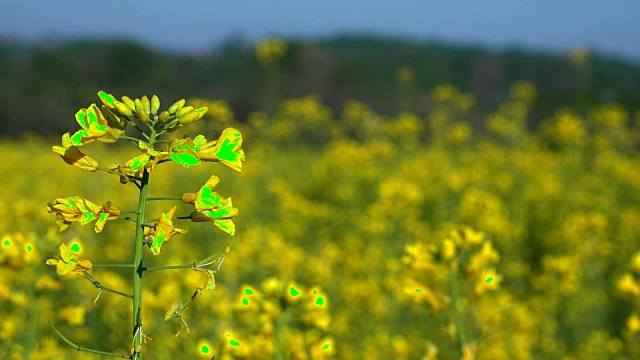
96, 126
68, 262
72, 156
162, 231
76, 208
210, 206
225, 150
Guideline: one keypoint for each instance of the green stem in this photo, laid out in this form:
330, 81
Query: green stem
280, 322
134, 141
138, 252
97, 284
186, 266
127, 218
32, 332
140, 130
112, 265
183, 217
164, 198
118, 173
80, 348
455, 297
204, 262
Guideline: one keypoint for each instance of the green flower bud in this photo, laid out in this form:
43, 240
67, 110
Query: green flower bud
155, 105
176, 106
164, 116
127, 101
146, 105
184, 110
122, 108
188, 118
143, 116
139, 106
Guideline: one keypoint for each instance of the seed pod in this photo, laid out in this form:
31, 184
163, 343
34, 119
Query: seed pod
127, 101
146, 105
201, 112
176, 106
122, 108
164, 116
143, 116
139, 106
155, 104
183, 111
188, 118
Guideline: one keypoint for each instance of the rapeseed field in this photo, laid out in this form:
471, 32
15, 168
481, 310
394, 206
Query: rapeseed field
449, 236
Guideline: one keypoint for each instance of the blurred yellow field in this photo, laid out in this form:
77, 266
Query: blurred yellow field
406, 238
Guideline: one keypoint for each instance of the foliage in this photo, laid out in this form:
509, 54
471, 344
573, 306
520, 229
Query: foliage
50, 79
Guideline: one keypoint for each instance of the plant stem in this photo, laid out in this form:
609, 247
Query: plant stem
455, 297
187, 266
112, 265
80, 348
118, 173
97, 284
137, 261
132, 140
163, 198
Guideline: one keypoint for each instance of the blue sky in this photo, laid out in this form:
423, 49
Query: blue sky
612, 27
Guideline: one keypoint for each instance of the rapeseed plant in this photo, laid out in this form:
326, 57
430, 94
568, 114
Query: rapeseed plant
109, 124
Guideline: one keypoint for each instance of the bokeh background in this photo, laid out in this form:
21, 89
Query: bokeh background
434, 181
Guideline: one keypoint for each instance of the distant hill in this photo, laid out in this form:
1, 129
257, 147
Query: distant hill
44, 85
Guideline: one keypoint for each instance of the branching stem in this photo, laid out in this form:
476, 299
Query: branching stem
80, 348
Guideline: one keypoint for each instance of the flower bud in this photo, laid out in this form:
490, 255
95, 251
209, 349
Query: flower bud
143, 116
176, 106
183, 111
155, 104
139, 106
146, 105
164, 116
188, 118
122, 108
127, 101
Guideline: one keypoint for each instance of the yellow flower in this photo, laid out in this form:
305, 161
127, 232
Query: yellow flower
635, 262
72, 156
270, 50
448, 250
633, 323
148, 159
225, 150
103, 126
219, 215
162, 231
71, 209
68, 262
629, 285
73, 315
